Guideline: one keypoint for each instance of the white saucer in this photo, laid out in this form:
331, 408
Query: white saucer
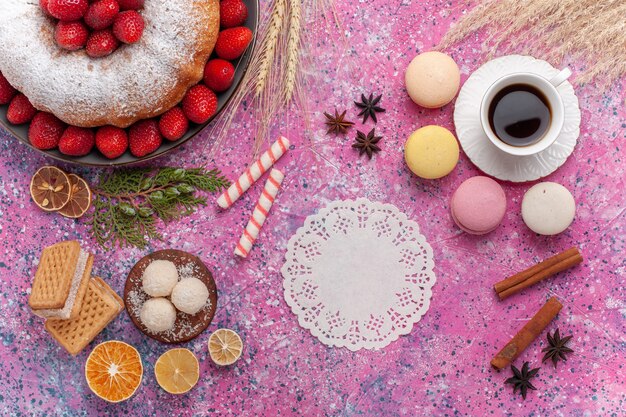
486, 156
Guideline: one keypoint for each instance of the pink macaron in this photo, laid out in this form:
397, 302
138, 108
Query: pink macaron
478, 205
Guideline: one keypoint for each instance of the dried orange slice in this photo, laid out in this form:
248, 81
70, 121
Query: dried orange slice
114, 371
225, 346
80, 198
50, 188
177, 370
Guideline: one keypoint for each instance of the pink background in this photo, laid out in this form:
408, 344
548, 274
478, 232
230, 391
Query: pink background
442, 367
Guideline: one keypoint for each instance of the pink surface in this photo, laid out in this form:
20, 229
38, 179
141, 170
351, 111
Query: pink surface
442, 367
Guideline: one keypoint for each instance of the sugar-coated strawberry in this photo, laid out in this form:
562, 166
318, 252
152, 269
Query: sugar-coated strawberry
101, 14
131, 4
67, 10
101, 43
45, 131
111, 141
71, 35
144, 137
20, 110
232, 43
44, 6
199, 104
77, 141
219, 74
233, 13
173, 124
128, 26
7, 92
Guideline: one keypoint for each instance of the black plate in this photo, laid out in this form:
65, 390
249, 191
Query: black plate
95, 159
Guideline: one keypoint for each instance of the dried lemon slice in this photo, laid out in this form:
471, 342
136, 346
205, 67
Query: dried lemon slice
225, 346
177, 370
50, 188
114, 371
80, 198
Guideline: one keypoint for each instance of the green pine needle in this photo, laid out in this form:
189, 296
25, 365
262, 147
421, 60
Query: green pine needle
127, 203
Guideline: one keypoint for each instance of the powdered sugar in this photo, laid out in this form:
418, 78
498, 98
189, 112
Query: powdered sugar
143, 79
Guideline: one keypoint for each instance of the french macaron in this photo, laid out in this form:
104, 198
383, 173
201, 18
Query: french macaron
548, 208
478, 205
431, 152
432, 79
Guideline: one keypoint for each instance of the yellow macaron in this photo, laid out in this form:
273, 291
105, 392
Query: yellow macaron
431, 152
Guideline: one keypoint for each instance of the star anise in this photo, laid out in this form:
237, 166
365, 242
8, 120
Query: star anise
367, 143
369, 107
557, 349
337, 123
521, 379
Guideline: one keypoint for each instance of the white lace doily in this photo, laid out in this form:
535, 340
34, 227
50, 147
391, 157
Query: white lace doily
358, 274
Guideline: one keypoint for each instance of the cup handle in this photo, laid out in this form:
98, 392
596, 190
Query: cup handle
561, 77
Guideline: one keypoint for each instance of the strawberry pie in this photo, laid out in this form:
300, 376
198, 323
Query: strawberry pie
116, 75
137, 81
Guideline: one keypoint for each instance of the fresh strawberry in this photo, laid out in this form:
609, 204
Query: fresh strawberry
173, 124
199, 104
71, 35
131, 4
101, 14
232, 43
20, 110
77, 141
128, 26
233, 13
7, 92
219, 74
101, 43
111, 141
67, 10
45, 131
144, 137
44, 6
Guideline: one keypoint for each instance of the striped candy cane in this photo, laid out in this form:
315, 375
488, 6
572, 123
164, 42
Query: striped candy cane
254, 172
251, 232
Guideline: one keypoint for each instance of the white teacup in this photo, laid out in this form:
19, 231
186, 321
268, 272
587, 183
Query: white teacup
555, 101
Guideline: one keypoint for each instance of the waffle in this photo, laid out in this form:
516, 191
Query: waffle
61, 281
100, 306
53, 278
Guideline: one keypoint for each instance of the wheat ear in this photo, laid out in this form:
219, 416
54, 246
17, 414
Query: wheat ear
293, 49
589, 31
268, 48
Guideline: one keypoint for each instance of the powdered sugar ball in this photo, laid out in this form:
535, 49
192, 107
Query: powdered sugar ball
159, 278
190, 295
158, 314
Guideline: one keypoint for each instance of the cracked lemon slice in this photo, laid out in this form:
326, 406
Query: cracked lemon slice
225, 346
50, 188
80, 198
177, 371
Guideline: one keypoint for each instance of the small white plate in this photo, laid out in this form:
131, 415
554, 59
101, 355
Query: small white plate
485, 155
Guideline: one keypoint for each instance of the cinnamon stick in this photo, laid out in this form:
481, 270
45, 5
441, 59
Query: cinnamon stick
527, 334
539, 272
561, 266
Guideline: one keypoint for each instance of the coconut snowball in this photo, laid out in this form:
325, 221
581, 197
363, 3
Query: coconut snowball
190, 295
159, 278
158, 314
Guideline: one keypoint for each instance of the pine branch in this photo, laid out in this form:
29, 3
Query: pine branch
128, 203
